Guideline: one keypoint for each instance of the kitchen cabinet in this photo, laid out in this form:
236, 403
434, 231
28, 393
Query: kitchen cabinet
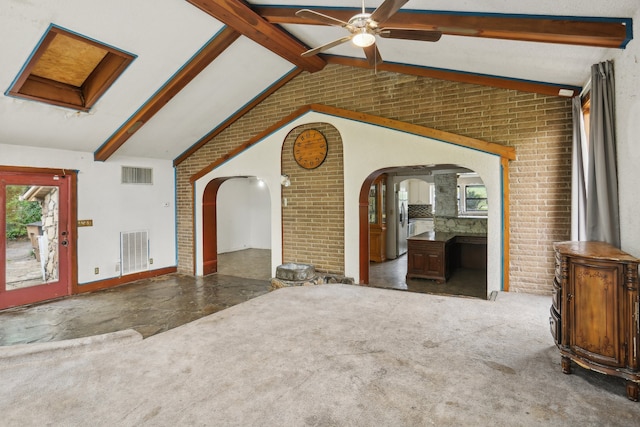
471, 251
434, 255
595, 310
418, 192
378, 220
428, 256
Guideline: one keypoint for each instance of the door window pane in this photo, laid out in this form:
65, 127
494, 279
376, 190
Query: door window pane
31, 235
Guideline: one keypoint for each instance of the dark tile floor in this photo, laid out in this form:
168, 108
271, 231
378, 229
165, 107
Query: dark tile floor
156, 305
148, 306
463, 282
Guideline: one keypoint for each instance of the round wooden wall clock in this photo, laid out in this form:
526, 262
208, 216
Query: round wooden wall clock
310, 149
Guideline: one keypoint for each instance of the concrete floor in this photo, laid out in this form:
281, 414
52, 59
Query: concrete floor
328, 355
392, 358
157, 305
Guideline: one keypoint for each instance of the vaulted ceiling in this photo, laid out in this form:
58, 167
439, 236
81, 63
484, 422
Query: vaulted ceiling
201, 63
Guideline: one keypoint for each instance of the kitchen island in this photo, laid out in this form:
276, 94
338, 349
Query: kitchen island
434, 255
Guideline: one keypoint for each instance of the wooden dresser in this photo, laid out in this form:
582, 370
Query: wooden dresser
595, 310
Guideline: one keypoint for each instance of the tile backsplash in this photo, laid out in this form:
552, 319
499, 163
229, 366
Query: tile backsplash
420, 211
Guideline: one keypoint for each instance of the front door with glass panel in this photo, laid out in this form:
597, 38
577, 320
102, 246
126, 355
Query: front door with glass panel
36, 253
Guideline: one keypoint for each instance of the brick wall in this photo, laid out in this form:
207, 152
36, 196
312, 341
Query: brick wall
313, 220
538, 126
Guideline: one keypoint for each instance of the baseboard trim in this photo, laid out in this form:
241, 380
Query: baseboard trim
117, 281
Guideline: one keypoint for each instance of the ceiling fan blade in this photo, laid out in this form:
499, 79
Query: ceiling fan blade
320, 17
386, 10
405, 34
373, 55
327, 46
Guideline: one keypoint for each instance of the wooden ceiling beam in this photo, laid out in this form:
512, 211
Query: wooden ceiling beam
585, 31
238, 15
457, 76
182, 78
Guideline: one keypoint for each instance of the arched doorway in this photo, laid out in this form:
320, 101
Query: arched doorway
210, 226
236, 225
462, 214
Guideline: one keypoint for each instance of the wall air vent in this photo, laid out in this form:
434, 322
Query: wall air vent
133, 175
134, 252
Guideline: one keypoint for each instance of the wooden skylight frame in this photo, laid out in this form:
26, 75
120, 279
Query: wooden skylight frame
69, 70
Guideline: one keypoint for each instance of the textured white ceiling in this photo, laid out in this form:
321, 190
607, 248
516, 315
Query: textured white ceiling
165, 34
617, 8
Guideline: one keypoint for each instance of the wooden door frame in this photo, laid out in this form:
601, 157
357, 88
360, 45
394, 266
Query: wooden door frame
363, 224
210, 225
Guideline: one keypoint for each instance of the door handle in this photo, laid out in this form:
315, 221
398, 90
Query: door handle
65, 243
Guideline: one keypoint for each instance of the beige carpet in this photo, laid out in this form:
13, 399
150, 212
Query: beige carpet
330, 355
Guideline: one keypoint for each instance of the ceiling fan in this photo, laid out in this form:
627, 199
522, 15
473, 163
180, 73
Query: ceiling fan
364, 27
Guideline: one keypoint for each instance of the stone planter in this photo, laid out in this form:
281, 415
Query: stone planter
295, 274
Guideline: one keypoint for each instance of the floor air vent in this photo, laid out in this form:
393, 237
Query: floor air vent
134, 252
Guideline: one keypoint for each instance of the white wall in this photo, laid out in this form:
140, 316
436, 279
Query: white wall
627, 72
243, 215
113, 207
260, 217
366, 149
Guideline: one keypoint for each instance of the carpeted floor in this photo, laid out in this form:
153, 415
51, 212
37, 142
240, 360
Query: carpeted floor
329, 355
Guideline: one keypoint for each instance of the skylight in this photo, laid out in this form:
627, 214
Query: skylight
69, 70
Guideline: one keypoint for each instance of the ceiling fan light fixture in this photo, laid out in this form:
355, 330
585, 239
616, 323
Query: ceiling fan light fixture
363, 38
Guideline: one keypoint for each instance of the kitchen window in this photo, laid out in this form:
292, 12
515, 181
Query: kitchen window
475, 198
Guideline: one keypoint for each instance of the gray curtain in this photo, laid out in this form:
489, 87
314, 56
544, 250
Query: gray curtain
602, 216
578, 176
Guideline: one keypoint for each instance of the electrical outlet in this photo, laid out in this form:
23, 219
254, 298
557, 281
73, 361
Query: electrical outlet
96, 270
150, 260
